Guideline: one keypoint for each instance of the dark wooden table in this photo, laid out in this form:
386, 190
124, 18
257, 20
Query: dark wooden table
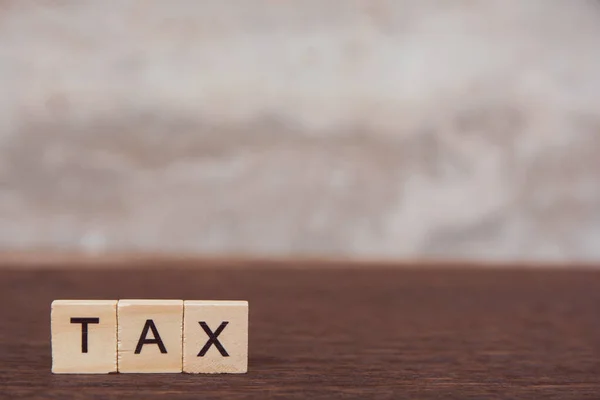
337, 333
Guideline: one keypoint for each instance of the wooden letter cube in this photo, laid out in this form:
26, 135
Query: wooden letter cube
84, 336
215, 337
150, 336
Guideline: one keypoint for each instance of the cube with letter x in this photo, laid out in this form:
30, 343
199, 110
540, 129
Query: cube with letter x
215, 337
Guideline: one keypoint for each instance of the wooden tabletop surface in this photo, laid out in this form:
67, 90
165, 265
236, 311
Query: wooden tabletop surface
379, 333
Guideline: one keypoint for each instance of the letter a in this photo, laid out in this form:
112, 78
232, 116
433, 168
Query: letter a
149, 325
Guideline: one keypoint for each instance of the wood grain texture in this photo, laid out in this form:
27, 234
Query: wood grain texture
337, 333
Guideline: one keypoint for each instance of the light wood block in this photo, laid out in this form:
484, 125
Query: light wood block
84, 336
150, 336
215, 337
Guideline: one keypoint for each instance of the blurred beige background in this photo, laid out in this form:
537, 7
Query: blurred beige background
378, 129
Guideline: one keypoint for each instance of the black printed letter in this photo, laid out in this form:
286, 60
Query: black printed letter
212, 339
84, 330
157, 340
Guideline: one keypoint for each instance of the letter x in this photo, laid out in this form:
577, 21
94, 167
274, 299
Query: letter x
212, 339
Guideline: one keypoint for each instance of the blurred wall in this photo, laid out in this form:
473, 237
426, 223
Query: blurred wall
385, 129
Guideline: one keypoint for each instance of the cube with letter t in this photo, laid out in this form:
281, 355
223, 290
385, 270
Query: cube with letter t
84, 336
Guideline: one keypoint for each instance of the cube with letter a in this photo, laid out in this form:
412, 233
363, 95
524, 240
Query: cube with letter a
150, 336
84, 336
215, 337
